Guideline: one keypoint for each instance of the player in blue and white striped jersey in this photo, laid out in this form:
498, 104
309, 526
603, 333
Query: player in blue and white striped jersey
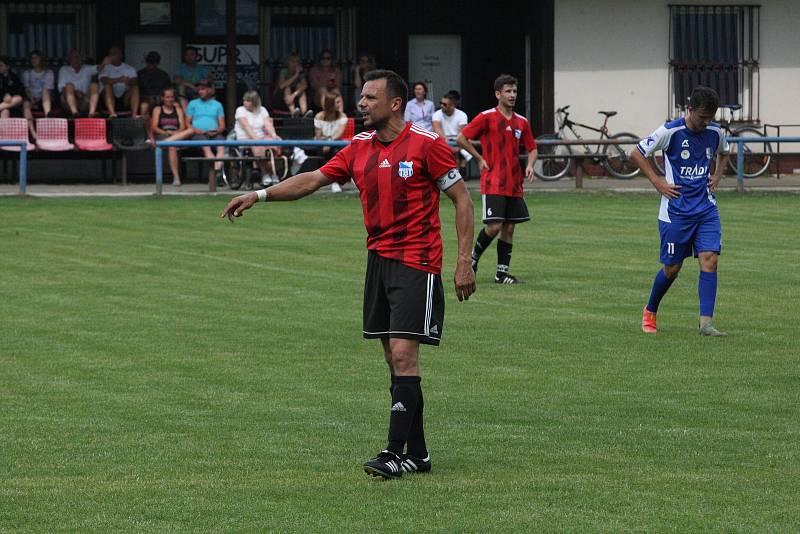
688, 219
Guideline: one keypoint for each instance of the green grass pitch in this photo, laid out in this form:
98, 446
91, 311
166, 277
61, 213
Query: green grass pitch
164, 370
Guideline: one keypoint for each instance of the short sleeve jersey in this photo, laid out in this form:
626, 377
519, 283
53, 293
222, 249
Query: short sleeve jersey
399, 187
500, 139
205, 114
687, 162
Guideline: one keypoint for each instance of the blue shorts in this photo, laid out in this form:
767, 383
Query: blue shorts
682, 238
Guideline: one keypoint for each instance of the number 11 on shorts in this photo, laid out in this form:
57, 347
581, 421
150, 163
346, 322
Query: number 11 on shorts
670, 248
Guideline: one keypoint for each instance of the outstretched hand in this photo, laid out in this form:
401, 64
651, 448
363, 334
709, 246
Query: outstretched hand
236, 206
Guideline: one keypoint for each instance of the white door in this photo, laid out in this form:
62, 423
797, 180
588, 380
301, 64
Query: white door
167, 45
435, 60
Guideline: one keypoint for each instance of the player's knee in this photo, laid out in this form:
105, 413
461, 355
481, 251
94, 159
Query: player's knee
403, 360
672, 270
492, 229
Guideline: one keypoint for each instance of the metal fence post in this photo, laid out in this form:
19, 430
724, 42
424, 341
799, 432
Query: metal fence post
159, 170
740, 165
23, 168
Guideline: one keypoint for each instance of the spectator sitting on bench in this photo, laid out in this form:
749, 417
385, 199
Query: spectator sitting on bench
448, 123
11, 90
188, 74
253, 122
118, 84
329, 125
38, 82
419, 110
206, 117
168, 123
325, 78
152, 82
76, 82
292, 85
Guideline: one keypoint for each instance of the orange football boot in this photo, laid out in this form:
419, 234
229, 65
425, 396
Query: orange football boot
648, 321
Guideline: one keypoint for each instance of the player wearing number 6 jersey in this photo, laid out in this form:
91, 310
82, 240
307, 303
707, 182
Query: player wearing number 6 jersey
688, 219
500, 131
399, 170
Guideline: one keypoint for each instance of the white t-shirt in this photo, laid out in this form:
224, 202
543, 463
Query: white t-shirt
329, 127
256, 120
37, 82
80, 80
115, 71
451, 125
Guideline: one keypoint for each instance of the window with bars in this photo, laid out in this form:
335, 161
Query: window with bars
717, 46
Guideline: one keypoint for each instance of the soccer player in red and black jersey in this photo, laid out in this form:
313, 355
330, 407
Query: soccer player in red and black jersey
500, 131
399, 170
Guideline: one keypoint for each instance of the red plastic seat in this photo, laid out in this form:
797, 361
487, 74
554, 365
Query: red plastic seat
90, 134
14, 130
53, 135
349, 130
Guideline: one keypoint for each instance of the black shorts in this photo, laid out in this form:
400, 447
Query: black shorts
402, 302
497, 208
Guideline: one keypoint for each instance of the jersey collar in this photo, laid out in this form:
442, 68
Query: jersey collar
401, 135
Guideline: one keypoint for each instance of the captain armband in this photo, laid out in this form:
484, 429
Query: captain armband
448, 179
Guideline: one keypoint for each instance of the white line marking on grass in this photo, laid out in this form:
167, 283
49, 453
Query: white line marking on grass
263, 266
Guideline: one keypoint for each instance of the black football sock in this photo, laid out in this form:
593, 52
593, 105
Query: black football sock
416, 435
404, 407
481, 243
503, 258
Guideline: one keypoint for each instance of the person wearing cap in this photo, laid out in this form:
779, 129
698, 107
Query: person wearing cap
206, 117
152, 82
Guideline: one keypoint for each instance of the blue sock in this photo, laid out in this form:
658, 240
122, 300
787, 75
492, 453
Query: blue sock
707, 290
660, 286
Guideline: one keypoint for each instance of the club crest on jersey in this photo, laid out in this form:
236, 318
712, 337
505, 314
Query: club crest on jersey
406, 169
685, 154
517, 133
709, 154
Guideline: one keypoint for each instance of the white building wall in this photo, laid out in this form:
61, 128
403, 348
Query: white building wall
613, 55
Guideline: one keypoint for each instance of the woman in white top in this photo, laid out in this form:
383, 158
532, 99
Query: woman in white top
253, 122
329, 125
38, 82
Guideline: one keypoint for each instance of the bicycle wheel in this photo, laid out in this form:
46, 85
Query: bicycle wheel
234, 169
658, 165
618, 161
553, 160
757, 156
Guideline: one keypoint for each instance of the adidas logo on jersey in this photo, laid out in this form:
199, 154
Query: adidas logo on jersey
398, 407
384, 164
508, 128
685, 143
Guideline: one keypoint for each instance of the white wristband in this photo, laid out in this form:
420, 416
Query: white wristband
262, 195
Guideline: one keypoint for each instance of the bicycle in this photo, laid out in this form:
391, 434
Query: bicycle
757, 156
553, 162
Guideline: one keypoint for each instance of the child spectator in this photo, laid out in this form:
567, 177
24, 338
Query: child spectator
76, 82
206, 117
420, 110
292, 85
152, 82
38, 82
188, 74
11, 89
325, 78
168, 123
118, 84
